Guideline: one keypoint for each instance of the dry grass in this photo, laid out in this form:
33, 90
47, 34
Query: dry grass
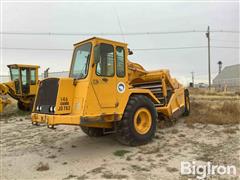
214, 113
198, 91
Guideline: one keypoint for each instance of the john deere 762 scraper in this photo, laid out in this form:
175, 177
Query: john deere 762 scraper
106, 93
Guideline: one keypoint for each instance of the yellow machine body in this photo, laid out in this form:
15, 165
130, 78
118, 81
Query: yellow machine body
97, 94
22, 87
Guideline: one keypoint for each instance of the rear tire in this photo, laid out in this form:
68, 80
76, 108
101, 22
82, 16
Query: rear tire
187, 106
21, 106
31, 104
92, 132
139, 122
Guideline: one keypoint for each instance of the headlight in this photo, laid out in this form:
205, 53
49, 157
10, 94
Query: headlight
51, 109
37, 108
40, 108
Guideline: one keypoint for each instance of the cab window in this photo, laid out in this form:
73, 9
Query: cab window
33, 76
24, 77
14, 74
120, 61
81, 58
105, 66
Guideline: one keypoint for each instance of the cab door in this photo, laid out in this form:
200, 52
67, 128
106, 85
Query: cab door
104, 80
33, 81
15, 77
25, 80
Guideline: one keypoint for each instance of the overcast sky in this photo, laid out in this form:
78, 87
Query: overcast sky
133, 17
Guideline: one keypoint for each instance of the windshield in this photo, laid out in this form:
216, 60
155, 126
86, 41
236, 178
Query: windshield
81, 58
14, 74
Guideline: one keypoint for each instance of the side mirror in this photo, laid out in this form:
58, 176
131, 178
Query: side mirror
96, 54
130, 52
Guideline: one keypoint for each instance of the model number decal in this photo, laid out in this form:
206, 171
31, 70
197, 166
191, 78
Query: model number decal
64, 104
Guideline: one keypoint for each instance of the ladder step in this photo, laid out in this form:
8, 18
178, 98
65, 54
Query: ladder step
151, 86
147, 83
159, 105
158, 90
160, 93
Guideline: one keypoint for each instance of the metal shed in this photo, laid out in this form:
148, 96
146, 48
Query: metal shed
228, 78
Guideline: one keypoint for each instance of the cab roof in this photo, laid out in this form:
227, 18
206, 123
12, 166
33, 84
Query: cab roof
23, 65
97, 38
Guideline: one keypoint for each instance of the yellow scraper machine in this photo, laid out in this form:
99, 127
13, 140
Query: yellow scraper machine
106, 93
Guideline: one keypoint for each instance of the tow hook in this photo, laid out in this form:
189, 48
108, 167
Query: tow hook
51, 127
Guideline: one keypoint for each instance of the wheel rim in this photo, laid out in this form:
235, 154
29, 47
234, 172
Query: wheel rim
142, 121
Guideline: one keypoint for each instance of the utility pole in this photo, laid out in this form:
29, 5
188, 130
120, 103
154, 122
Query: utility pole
209, 63
192, 78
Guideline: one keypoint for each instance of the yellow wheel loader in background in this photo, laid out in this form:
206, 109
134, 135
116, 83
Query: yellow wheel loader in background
22, 87
106, 93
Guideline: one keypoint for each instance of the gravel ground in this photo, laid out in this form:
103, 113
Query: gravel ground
36, 152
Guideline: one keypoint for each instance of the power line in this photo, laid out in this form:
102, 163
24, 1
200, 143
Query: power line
134, 49
36, 49
115, 34
222, 40
189, 47
225, 47
168, 48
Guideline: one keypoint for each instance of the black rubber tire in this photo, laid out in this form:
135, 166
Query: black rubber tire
187, 100
92, 132
25, 107
21, 106
31, 104
125, 130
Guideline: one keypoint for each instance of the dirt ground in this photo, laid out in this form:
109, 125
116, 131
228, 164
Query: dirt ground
36, 152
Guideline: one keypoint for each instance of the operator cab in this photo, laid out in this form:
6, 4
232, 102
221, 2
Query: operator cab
25, 78
103, 63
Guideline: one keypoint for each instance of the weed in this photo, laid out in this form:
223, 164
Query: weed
121, 152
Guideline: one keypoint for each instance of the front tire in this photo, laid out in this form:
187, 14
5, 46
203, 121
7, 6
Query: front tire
139, 122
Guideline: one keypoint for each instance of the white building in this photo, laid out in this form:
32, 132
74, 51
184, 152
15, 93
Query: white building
228, 78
